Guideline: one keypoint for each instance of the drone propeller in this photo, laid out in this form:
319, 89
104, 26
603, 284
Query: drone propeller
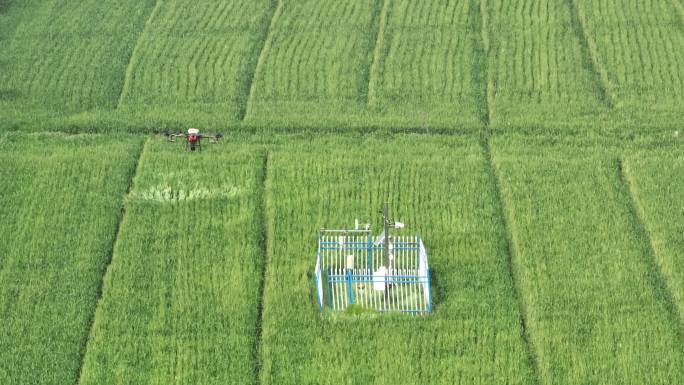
171, 136
214, 137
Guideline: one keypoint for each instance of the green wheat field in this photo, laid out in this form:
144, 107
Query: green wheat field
535, 145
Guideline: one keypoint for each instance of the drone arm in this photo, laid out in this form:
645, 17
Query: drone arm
172, 136
213, 138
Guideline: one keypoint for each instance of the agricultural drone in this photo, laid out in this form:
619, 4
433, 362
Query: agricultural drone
194, 138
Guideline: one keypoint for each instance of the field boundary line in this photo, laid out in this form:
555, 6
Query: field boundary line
133, 173
659, 279
512, 258
377, 58
264, 226
590, 55
266, 42
482, 77
680, 11
135, 53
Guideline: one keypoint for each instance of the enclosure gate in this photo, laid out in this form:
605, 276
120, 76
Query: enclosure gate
352, 269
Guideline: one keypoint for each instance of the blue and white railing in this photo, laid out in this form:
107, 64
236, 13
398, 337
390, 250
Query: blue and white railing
352, 269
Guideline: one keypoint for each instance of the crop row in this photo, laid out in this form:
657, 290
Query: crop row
597, 310
427, 69
510, 65
194, 58
315, 63
60, 201
441, 190
551, 262
637, 47
537, 70
595, 302
61, 58
655, 178
180, 297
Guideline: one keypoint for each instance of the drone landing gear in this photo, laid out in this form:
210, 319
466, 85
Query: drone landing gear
192, 146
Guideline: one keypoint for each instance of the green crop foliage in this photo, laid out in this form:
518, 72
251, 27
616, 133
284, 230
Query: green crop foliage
60, 202
539, 74
610, 67
638, 45
425, 71
549, 204
180, 297
596, 311
656, 177
196, 59
553, 262
441, 189
372, 63
315, 64
59, 58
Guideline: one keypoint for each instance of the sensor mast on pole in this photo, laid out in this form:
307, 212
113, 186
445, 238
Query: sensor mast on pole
386, 220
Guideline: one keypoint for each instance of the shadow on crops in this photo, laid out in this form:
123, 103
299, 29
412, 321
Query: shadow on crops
9, 95
4, 5
436, 288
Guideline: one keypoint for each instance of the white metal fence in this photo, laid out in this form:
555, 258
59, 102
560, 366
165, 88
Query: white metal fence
353, 268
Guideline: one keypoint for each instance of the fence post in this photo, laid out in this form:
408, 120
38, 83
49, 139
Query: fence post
331, 304
369, 266
350, 289
429, 294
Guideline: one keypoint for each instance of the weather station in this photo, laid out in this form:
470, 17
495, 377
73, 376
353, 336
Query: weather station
385, 273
